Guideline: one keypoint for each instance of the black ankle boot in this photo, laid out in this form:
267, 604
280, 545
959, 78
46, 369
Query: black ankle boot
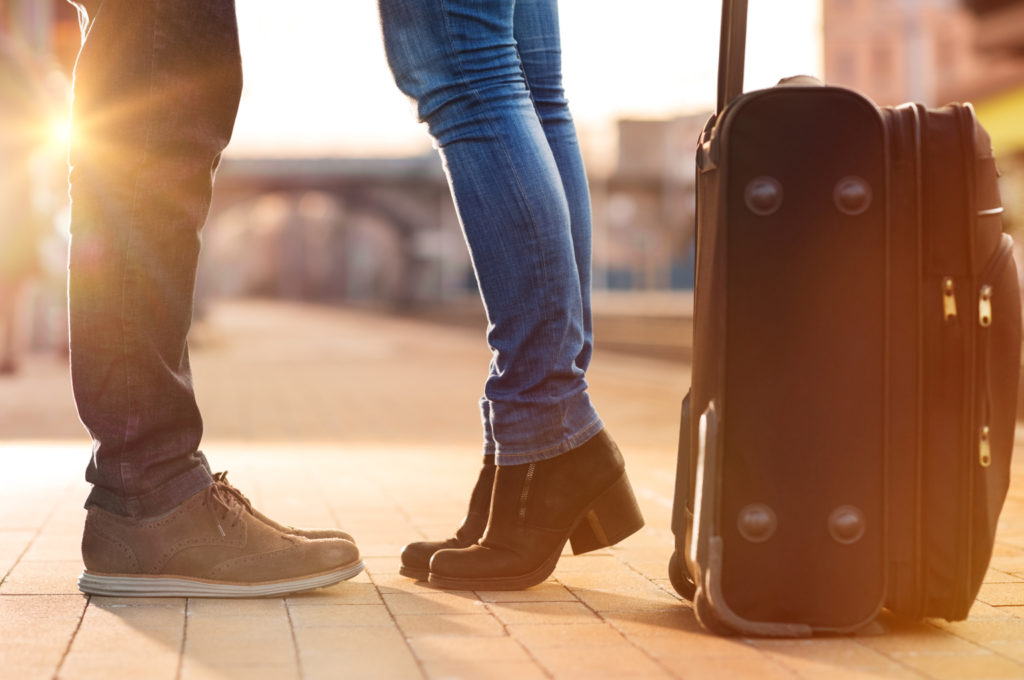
416, 556
582, 496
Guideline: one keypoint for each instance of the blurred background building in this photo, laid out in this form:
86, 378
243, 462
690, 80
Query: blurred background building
934, 52
382, 230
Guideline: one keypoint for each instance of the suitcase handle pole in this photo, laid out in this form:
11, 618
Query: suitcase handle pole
731, 51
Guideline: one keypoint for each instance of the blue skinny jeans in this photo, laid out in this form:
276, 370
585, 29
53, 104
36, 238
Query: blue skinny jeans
486, 79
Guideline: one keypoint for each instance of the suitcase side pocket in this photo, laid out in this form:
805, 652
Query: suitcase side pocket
998, 325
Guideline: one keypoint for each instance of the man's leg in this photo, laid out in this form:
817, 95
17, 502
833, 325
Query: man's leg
157, 86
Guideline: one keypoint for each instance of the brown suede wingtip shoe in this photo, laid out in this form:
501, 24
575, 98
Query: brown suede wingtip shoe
212, 545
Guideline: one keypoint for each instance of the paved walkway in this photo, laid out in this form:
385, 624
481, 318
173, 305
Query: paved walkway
340, 418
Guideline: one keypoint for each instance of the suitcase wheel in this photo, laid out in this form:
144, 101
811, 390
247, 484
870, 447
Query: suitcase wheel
680, 577
707, 617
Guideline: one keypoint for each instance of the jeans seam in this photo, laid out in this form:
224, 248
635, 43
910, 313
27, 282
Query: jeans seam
501, 141
126, 280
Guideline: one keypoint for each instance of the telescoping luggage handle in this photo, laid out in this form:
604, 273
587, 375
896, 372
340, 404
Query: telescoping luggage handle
731, 51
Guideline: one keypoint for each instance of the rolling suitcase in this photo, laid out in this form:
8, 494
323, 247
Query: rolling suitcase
851, 414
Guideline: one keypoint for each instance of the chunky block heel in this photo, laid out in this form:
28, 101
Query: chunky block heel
612, 517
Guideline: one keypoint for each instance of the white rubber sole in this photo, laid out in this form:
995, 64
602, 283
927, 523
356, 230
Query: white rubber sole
123, 585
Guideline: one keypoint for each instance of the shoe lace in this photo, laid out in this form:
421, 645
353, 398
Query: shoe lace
229, 501
221, 478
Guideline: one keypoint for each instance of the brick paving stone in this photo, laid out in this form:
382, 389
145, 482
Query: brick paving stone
896, 673
549, 591
194, 669
42, 578
435, 602
695, 667
485, 648
921, 643
380, 566
239, 640
1002, 593
997, 576
1011, 649
127, 637
813, 656
588, 563
622, 579
347, 592
35, 632
51, 547
562, 613
985, 631
481, 669
955, 667
701, 645
533, 635
300, 408
203, 607
981, 611
379, 653
614, 661
13, 543
1010, 563
396, 583
341, 615
30, 660
667, 621
449, 624
147, 613
650, 598
131, 656
24, 617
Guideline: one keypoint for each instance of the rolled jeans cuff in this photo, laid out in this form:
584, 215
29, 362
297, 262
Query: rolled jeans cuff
164, 498
526, 438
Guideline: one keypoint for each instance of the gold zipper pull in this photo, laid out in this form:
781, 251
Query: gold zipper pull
985, 307
984, 449
948, 299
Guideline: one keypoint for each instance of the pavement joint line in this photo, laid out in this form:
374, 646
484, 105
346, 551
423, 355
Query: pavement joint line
291, 632
46, 520
416, 659
979, 645
184, 639
71, 638
529, 653
632, 643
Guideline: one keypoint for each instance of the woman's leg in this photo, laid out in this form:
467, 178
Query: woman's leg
559, 476
459, 60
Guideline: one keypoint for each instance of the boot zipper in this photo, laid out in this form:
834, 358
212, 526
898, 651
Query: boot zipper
526, 491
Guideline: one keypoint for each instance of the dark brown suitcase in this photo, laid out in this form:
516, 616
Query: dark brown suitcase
851, 437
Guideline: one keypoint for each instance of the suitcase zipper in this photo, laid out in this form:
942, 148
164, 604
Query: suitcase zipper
948, 299
985, 319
